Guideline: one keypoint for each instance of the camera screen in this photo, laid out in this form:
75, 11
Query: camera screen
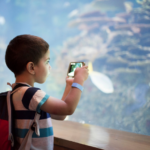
73, 67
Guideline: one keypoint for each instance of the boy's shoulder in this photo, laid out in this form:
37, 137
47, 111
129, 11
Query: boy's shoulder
25, 90
29, 91
23, 87
28, 98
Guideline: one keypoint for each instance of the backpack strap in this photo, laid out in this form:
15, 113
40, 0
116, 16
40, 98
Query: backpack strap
10, 136
34, 127
10, 109
26, 143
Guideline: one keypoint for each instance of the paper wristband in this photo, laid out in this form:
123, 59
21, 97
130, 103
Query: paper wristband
78, 86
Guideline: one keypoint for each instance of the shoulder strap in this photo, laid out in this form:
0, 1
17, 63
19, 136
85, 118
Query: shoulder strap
10, 109
10, 136
26, 143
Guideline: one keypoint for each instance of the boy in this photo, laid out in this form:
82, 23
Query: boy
28, 58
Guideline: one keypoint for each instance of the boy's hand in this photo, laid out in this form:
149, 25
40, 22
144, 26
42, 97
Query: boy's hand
69, 81
82, 73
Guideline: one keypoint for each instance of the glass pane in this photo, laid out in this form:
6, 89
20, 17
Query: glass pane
111, 36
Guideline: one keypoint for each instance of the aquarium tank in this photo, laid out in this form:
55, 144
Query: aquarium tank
111, 36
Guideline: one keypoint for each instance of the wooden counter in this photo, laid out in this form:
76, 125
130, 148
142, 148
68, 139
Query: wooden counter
72, 135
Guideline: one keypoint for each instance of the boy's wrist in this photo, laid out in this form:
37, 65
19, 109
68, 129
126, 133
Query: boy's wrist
68, 85
76, 85
79, 79
69, 81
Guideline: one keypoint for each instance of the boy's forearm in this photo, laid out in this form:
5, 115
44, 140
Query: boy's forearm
72, 95
62, 117
66, 92
69, 86
58, 117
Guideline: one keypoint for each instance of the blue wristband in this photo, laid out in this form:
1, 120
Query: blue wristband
78, 86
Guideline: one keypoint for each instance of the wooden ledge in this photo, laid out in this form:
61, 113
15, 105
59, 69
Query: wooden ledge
72, 135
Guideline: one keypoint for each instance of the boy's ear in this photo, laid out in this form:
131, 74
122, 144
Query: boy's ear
30, 68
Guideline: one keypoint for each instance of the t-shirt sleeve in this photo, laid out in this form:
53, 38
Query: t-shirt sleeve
34, 98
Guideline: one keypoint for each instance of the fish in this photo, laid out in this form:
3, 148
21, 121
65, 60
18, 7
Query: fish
100, 80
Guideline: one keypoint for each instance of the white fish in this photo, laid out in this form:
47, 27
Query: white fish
100, 80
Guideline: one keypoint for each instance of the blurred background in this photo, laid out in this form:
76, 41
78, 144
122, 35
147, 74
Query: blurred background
111, 36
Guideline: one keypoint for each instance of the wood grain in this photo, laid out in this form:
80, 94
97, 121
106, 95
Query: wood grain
73, 135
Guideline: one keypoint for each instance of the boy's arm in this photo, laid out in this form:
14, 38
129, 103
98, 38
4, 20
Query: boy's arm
66, 92
70, 102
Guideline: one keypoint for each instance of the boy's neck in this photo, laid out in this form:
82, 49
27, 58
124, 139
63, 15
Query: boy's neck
25, 78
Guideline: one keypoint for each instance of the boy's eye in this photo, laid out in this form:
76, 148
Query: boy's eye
48, 62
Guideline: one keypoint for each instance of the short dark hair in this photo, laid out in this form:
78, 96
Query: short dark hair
23, 49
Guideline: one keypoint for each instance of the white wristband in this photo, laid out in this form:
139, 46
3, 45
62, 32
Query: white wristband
78, 86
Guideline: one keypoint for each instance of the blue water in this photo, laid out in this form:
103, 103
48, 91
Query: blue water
125, 60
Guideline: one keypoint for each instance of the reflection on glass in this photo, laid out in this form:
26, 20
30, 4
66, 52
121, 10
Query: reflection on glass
111, 35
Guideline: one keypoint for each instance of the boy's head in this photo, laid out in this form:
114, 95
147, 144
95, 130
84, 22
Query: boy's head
24, 49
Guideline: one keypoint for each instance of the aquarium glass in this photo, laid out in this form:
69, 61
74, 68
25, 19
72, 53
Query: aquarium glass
112, 37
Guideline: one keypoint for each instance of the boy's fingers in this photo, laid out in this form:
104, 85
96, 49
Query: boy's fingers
85, 67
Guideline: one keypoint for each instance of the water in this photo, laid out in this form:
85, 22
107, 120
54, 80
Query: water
113, 36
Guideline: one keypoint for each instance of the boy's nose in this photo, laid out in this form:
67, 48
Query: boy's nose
49, 67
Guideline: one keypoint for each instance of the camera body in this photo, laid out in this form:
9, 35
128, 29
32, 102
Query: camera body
72, 68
